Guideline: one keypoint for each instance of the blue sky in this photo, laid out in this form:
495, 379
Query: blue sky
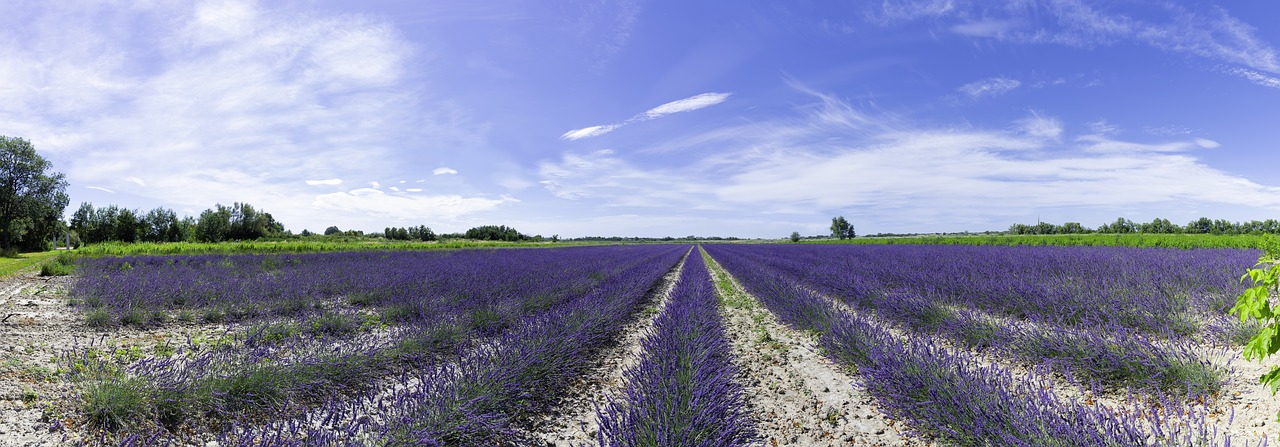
656, 118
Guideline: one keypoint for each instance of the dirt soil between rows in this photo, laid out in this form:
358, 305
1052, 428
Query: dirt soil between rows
797, 396
38, 328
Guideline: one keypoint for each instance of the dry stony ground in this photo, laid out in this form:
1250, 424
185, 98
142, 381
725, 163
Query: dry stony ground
40, 326
798, 397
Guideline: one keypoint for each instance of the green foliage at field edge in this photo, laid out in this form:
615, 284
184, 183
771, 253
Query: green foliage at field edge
1185, 241
294, 246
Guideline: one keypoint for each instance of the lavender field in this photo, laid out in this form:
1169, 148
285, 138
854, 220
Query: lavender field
952, 345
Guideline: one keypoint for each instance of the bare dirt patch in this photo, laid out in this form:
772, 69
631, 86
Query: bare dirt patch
39, 326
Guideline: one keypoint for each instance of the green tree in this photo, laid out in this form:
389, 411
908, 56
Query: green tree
795, 236
841, 228
495, 233
31, 197
332, 230
214, 224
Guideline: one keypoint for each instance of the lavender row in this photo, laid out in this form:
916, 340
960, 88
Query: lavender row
682, 391
252, 374
489, 395
403, 284
1108, 351
1111, 354
1159, 291
947, 394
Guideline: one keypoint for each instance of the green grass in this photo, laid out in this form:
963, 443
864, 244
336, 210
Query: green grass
1119, 240
10, 266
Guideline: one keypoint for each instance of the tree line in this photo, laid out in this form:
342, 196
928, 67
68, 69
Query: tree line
1203, 225
238, 222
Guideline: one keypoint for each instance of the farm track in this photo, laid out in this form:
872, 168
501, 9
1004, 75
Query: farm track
797, 396
575, 423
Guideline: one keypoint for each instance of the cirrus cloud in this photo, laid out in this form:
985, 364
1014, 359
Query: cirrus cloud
681, 105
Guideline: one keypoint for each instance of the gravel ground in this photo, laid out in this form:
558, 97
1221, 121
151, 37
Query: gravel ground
799, 397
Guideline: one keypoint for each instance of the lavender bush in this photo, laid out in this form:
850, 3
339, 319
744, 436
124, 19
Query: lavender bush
949, 394
366, 317
682, 391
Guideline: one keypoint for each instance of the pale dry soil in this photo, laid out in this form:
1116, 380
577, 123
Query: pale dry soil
797, 396
38, 329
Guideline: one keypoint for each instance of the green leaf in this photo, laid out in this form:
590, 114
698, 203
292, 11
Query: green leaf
1271, 379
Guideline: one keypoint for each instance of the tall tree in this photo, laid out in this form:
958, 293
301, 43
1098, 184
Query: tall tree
31, 198
214, 225
841, 228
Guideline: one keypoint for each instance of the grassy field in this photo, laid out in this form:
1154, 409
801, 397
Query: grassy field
1121, 240
9, 266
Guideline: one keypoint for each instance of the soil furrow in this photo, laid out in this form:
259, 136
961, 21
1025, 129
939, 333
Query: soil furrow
799, 397
575, 422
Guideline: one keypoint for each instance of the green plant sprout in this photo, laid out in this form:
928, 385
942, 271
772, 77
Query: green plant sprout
1255, 303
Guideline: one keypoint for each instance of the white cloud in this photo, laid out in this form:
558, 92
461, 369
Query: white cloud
1167, 130
983, 28
216, 101
429, 208
686, 105
99, 188
1206, 143
375, 185
1102, 127
1206, 31
1256, 77
990, 87
682, 105
587, 132
414, 190
1040, 127
444, 171
932, 177
603, 175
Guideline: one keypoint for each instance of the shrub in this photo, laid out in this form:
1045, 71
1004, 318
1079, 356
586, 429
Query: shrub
98, 317
114, 405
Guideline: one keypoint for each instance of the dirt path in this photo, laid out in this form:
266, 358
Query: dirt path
575, 423
798, 397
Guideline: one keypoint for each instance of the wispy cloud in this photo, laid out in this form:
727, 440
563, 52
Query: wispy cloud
987, 177
686, 105
983, 28
1206, 31
1256, 77
99, 188
332, 181
1039, 126
1102, 127
444, 171
994, 86
433, 208
683, 105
